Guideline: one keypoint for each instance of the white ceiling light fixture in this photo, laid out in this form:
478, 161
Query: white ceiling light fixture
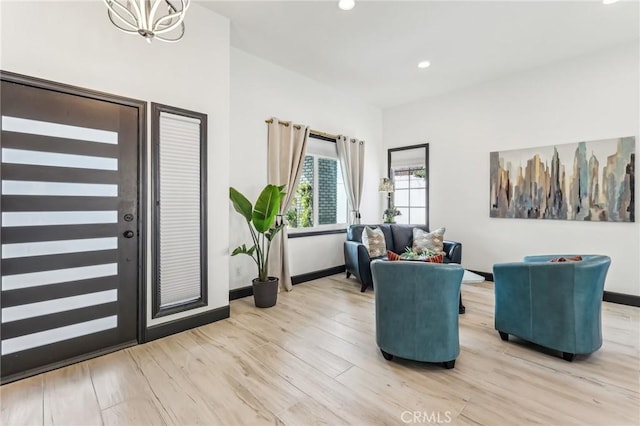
610, 1
424, 64
152, 19
346, 4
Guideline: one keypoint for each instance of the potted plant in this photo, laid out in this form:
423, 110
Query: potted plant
390, 214
261, 220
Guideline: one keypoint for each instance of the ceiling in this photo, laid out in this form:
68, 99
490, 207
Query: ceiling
372, 51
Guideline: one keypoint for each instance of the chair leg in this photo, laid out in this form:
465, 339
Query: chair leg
567, 356
449, 364
363, 288
461, 308
386, 355
348, 274
504, 336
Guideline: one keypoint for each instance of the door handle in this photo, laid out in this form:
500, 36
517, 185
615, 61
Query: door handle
128, 234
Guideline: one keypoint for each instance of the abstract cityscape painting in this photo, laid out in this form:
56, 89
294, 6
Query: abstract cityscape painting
588, 181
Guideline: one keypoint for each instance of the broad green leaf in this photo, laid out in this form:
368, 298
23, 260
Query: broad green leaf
283, 193
266, 208
273, 232
241, 204
243, 250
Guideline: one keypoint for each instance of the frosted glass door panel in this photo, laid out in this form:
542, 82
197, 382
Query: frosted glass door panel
11, 187
38, 158
35, 340
57, 130
34, 279
10, 251
10, 219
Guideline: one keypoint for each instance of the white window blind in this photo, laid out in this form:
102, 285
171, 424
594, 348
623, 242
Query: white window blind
179, 248
321, 147
408, 158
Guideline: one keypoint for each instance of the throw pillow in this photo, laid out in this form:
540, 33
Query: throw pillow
438, 258
424, 241
566, 259
392, 256
373, 240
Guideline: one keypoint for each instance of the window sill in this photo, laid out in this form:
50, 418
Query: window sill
315, 232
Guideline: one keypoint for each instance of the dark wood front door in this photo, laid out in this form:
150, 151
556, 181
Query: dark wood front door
69, 229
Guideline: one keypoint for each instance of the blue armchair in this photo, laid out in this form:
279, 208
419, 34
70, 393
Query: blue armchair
417, 310
555, 305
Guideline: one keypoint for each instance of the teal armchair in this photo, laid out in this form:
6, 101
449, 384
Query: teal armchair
555, 305
417, 310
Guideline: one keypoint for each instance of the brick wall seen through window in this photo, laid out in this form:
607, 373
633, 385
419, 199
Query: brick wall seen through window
320, 196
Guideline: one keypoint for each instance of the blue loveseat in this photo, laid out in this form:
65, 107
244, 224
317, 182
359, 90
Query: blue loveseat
397, 238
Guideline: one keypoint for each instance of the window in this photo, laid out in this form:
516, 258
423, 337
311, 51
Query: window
410, 196
321, 200
408, 168
179, 170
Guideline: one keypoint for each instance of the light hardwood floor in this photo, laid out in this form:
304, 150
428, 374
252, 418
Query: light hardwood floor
312, 359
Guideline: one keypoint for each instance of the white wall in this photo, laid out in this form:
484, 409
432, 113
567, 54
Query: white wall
74, 43
259, 90
586, 98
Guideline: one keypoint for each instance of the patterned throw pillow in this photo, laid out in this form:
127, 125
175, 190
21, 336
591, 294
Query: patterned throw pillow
392, 256
373, 240
566, 259
424, 241
438, 258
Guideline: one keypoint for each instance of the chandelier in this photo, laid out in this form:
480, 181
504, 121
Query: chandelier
161, 19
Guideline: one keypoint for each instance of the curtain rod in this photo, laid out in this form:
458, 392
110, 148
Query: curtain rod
311, 131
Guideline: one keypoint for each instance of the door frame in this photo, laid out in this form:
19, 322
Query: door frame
142, 181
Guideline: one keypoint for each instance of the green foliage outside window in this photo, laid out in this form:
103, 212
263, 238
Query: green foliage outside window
305, 196
291, 217
420, 173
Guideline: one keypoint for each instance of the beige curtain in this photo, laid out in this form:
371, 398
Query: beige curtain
287, 147
351, 155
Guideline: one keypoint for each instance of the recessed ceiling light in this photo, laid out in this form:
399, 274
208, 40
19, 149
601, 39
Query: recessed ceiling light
424, 64
610, 1
346, 4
